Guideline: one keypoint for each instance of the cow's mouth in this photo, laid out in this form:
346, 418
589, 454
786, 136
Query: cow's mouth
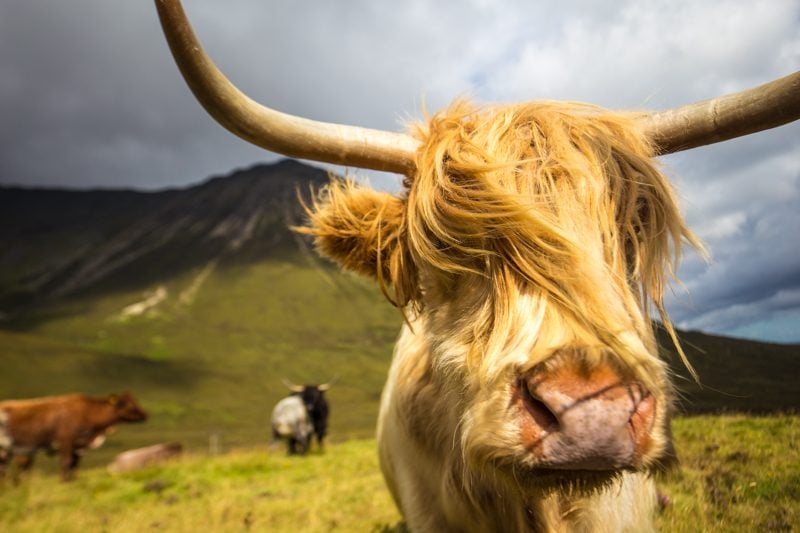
135, 417
576, 482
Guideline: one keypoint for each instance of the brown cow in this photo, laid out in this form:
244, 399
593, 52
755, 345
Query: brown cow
526, 252
68, 425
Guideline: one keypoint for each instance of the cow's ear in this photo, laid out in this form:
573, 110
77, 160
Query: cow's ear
364, 231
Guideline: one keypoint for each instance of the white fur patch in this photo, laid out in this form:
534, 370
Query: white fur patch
5, 434
97, 441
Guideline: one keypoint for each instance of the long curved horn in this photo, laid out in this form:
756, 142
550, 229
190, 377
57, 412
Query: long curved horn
278, 132
767, 106
291, 386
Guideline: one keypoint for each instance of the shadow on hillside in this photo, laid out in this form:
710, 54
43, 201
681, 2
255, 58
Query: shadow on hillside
735, 375
37, 309
45, 370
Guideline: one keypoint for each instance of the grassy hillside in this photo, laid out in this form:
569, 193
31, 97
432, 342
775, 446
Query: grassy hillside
739, 474
210, 356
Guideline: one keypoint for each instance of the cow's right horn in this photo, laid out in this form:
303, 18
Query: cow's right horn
326, 386
726, 117
279, 132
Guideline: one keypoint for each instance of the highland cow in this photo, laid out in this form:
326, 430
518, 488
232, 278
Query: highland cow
138, 458
526, 252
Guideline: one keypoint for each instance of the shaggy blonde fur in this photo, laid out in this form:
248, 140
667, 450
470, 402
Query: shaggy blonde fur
527, 231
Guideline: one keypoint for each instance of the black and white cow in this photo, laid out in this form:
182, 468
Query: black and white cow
296, 425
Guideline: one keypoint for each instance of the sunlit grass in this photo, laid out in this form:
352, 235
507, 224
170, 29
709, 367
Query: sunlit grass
738, 474
340, 489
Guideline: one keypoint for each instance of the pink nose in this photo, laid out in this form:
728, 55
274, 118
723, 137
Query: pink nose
585, 419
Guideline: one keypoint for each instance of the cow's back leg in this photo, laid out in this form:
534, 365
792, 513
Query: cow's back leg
5, 457
22, 463
303, 443
275, 441
69, 459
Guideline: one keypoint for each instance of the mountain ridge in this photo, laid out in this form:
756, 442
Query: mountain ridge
75, 240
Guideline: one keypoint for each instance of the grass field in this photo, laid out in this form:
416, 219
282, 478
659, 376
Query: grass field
738, 473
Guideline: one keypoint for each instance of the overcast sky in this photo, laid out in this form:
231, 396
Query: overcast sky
89, 97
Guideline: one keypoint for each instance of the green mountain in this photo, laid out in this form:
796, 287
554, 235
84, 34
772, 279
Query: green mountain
200, 300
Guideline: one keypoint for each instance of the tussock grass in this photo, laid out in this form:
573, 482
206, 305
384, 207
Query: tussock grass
259, 490
738, 474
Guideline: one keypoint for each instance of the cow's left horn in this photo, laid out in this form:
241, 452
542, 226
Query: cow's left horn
291, 386
279, 132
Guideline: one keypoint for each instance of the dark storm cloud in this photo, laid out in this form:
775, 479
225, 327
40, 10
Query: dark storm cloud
89, 97
743, 199
88, 104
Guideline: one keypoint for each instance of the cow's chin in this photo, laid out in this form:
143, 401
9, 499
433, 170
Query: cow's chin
575, 482
526, 467
565, 482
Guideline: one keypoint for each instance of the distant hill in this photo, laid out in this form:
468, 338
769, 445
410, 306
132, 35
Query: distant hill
58, 242
735, 374
200, 300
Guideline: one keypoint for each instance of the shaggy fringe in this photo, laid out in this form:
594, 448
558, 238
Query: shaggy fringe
512, 187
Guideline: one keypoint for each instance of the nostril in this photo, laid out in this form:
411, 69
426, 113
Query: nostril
638, 393
642, 401
538, 410
642, 419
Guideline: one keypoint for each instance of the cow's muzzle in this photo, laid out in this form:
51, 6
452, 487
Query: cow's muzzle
574, 418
